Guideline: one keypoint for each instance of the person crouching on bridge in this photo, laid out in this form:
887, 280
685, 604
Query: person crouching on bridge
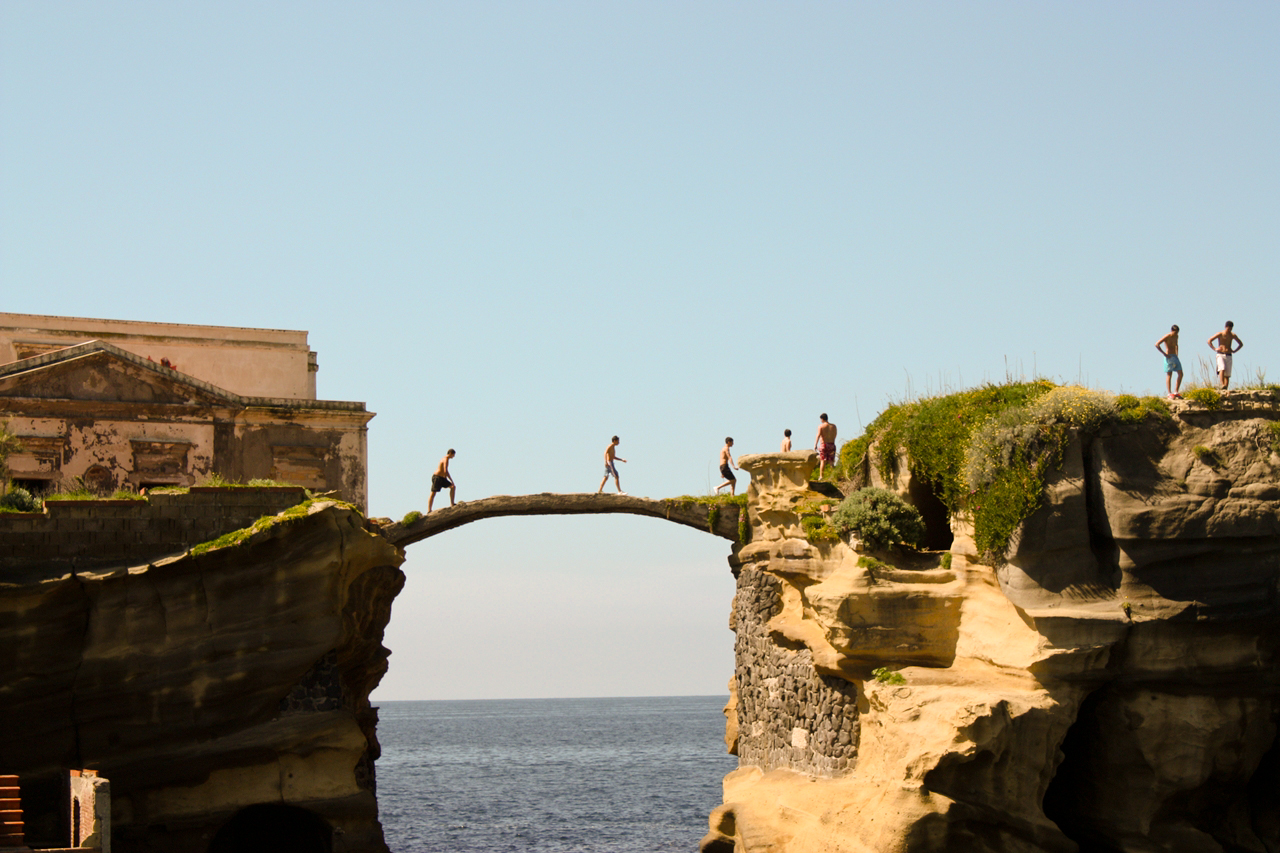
442, 479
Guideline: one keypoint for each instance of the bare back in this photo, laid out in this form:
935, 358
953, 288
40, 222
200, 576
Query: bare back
827, 432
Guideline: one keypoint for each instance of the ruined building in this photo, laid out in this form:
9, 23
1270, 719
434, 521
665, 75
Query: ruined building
124, 404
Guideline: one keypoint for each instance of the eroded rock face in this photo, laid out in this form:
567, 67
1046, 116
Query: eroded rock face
1112, 687
202, 685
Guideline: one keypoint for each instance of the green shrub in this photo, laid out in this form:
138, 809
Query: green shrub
946, 561
18, 499
411, 517
1206, 455
885, 675
865, 562
1133, 410
1207, 397
880, 518
817, 529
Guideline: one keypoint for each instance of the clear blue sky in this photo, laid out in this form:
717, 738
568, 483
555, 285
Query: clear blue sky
519, 228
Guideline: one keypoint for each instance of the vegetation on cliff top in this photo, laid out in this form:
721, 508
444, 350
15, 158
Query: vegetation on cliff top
235, 537
988, 451
713, 504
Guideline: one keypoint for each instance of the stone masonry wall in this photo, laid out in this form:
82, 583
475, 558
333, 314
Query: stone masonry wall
73, 536
789, 716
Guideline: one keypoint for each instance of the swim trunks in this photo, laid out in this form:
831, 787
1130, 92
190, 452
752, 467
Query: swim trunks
727, 473
1172, 364
439, 483
1224, 363
827, 451
610, 470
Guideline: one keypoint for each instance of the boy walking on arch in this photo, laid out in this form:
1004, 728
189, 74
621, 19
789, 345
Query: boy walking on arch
726, 468
442, 479
611, 457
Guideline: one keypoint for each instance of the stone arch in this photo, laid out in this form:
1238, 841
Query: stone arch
274, 828
718, 520
99, 480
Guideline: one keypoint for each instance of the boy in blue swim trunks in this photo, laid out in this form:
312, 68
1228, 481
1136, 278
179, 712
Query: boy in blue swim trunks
1168, 347
610, 468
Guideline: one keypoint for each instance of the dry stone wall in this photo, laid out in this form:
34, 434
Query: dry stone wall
789, 716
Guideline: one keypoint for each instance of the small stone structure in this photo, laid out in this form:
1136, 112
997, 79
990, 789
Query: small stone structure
120, 405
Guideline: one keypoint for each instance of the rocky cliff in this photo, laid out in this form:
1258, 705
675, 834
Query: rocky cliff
1111, 686
224, 693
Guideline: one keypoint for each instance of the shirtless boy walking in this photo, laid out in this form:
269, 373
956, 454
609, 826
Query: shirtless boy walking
726, 468
1225, 345
825, 443
442, 479
610, 469
1168, 347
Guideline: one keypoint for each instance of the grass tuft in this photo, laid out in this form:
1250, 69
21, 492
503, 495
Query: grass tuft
1209, 398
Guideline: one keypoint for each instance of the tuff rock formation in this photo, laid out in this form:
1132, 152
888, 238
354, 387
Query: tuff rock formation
1112, 687
223, 694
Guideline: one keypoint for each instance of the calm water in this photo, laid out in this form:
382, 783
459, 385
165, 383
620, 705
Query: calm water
550, 775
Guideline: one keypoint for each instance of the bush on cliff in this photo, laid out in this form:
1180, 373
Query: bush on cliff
990, 450
19, 499
880, 518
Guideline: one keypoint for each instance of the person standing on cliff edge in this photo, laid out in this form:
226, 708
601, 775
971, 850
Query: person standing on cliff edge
786, 440
610, 468
441, 479
1168, 347
726, 468
825, 443
1225, 348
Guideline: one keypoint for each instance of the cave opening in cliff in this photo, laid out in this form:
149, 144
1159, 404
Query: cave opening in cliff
937, 521
274, 828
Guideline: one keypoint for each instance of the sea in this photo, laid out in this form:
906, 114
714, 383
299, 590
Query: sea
626, 775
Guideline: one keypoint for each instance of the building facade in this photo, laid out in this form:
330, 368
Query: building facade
123, 404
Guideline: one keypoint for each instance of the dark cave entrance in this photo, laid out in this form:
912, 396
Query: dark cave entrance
274, 828
937, 521
1098, 759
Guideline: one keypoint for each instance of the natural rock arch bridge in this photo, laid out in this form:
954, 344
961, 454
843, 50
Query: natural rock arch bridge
725, 520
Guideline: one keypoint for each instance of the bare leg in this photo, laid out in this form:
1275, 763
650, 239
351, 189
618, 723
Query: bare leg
602, 482
430, 500
1177, 388
452, 491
